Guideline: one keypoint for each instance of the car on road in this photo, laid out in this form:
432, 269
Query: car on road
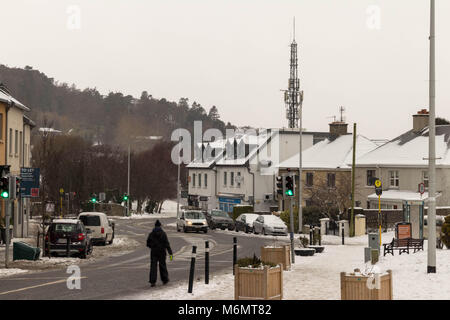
62, 231
101, 227
245, 222
269, 224
192, 220
219, 219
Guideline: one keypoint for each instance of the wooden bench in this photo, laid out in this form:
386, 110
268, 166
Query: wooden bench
403, 245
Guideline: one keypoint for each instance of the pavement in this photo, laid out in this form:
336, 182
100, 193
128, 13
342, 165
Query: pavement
117, 276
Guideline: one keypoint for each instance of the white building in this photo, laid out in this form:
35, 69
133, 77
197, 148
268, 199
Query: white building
242, 169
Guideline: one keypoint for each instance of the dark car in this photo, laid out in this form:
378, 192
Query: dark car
219, 219
245, 222
80, 242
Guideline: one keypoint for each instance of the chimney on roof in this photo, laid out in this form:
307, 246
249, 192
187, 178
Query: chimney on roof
337, 128
420, 120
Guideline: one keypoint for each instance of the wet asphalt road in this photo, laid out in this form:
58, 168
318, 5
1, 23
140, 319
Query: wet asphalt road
126, 275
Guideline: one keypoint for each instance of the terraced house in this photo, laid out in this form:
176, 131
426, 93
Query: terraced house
15, 150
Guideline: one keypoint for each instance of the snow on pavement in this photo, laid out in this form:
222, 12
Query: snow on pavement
168, 210
10, 272
318, 277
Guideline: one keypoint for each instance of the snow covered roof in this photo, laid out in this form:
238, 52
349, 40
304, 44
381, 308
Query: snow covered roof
50, 130
400, 195
331, 154
6, 97
410, 149
246, 144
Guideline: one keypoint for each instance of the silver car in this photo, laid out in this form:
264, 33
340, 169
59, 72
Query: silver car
269, 224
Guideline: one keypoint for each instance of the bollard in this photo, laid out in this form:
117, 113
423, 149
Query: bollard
320, 238
234, 252
206, 262
191, 272
311, 236
343, 232
67, 247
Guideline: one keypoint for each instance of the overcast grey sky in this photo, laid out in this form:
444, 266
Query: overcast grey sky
235, 54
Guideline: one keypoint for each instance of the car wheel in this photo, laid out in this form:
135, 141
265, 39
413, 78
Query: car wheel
112, 238
236, 228
263, 231
254, 231
184, 229
205, 231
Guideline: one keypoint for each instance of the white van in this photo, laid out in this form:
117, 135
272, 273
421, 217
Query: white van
192, 220
101, 227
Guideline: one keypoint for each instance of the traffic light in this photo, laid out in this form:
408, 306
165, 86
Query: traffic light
280, 186
125, 197
4, 187
289, 183
94, 198
18, 186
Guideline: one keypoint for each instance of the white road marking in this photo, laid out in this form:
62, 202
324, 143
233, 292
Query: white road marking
37, 286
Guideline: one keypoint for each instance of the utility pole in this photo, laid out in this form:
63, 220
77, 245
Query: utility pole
352, 217
431, 268
178, 180
128, 188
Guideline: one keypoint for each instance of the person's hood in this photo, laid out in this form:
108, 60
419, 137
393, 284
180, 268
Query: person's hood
157, 232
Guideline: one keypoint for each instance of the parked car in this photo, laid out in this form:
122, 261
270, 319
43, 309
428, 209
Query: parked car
245, 222
73, 229
192, 220
101, 227
269, 224
219, 219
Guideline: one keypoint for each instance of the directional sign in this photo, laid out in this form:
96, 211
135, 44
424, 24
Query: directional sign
29, 185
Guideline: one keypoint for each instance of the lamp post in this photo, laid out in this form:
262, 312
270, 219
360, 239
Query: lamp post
431, 267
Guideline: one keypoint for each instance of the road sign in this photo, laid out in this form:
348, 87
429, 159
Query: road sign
422, 188
61, 191
29, 185
102, 196
378, 188
50, 207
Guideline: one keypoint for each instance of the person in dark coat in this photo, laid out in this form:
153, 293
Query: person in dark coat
158, 243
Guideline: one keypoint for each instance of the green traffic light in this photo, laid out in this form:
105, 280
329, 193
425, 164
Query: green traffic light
289, 193
125, 198
5, 194
94, 200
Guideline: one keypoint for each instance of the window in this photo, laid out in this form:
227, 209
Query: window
10, 141
393, 178
368, 204
225, 178
232, 178
20, 148
206, 180
331, 180
1, 126
238, 180
309, 179
370, 176
16, 146
199, 179
425, 178
193, 180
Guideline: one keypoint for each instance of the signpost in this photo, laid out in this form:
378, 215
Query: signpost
61, 194
29, 184
379, 191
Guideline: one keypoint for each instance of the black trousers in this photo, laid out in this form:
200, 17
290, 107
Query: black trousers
154, 260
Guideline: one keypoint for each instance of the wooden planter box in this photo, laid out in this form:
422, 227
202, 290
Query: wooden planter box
280, 255
258, 284
354, 287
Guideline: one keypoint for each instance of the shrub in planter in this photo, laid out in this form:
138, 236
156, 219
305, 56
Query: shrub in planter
257, 280
304, 250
